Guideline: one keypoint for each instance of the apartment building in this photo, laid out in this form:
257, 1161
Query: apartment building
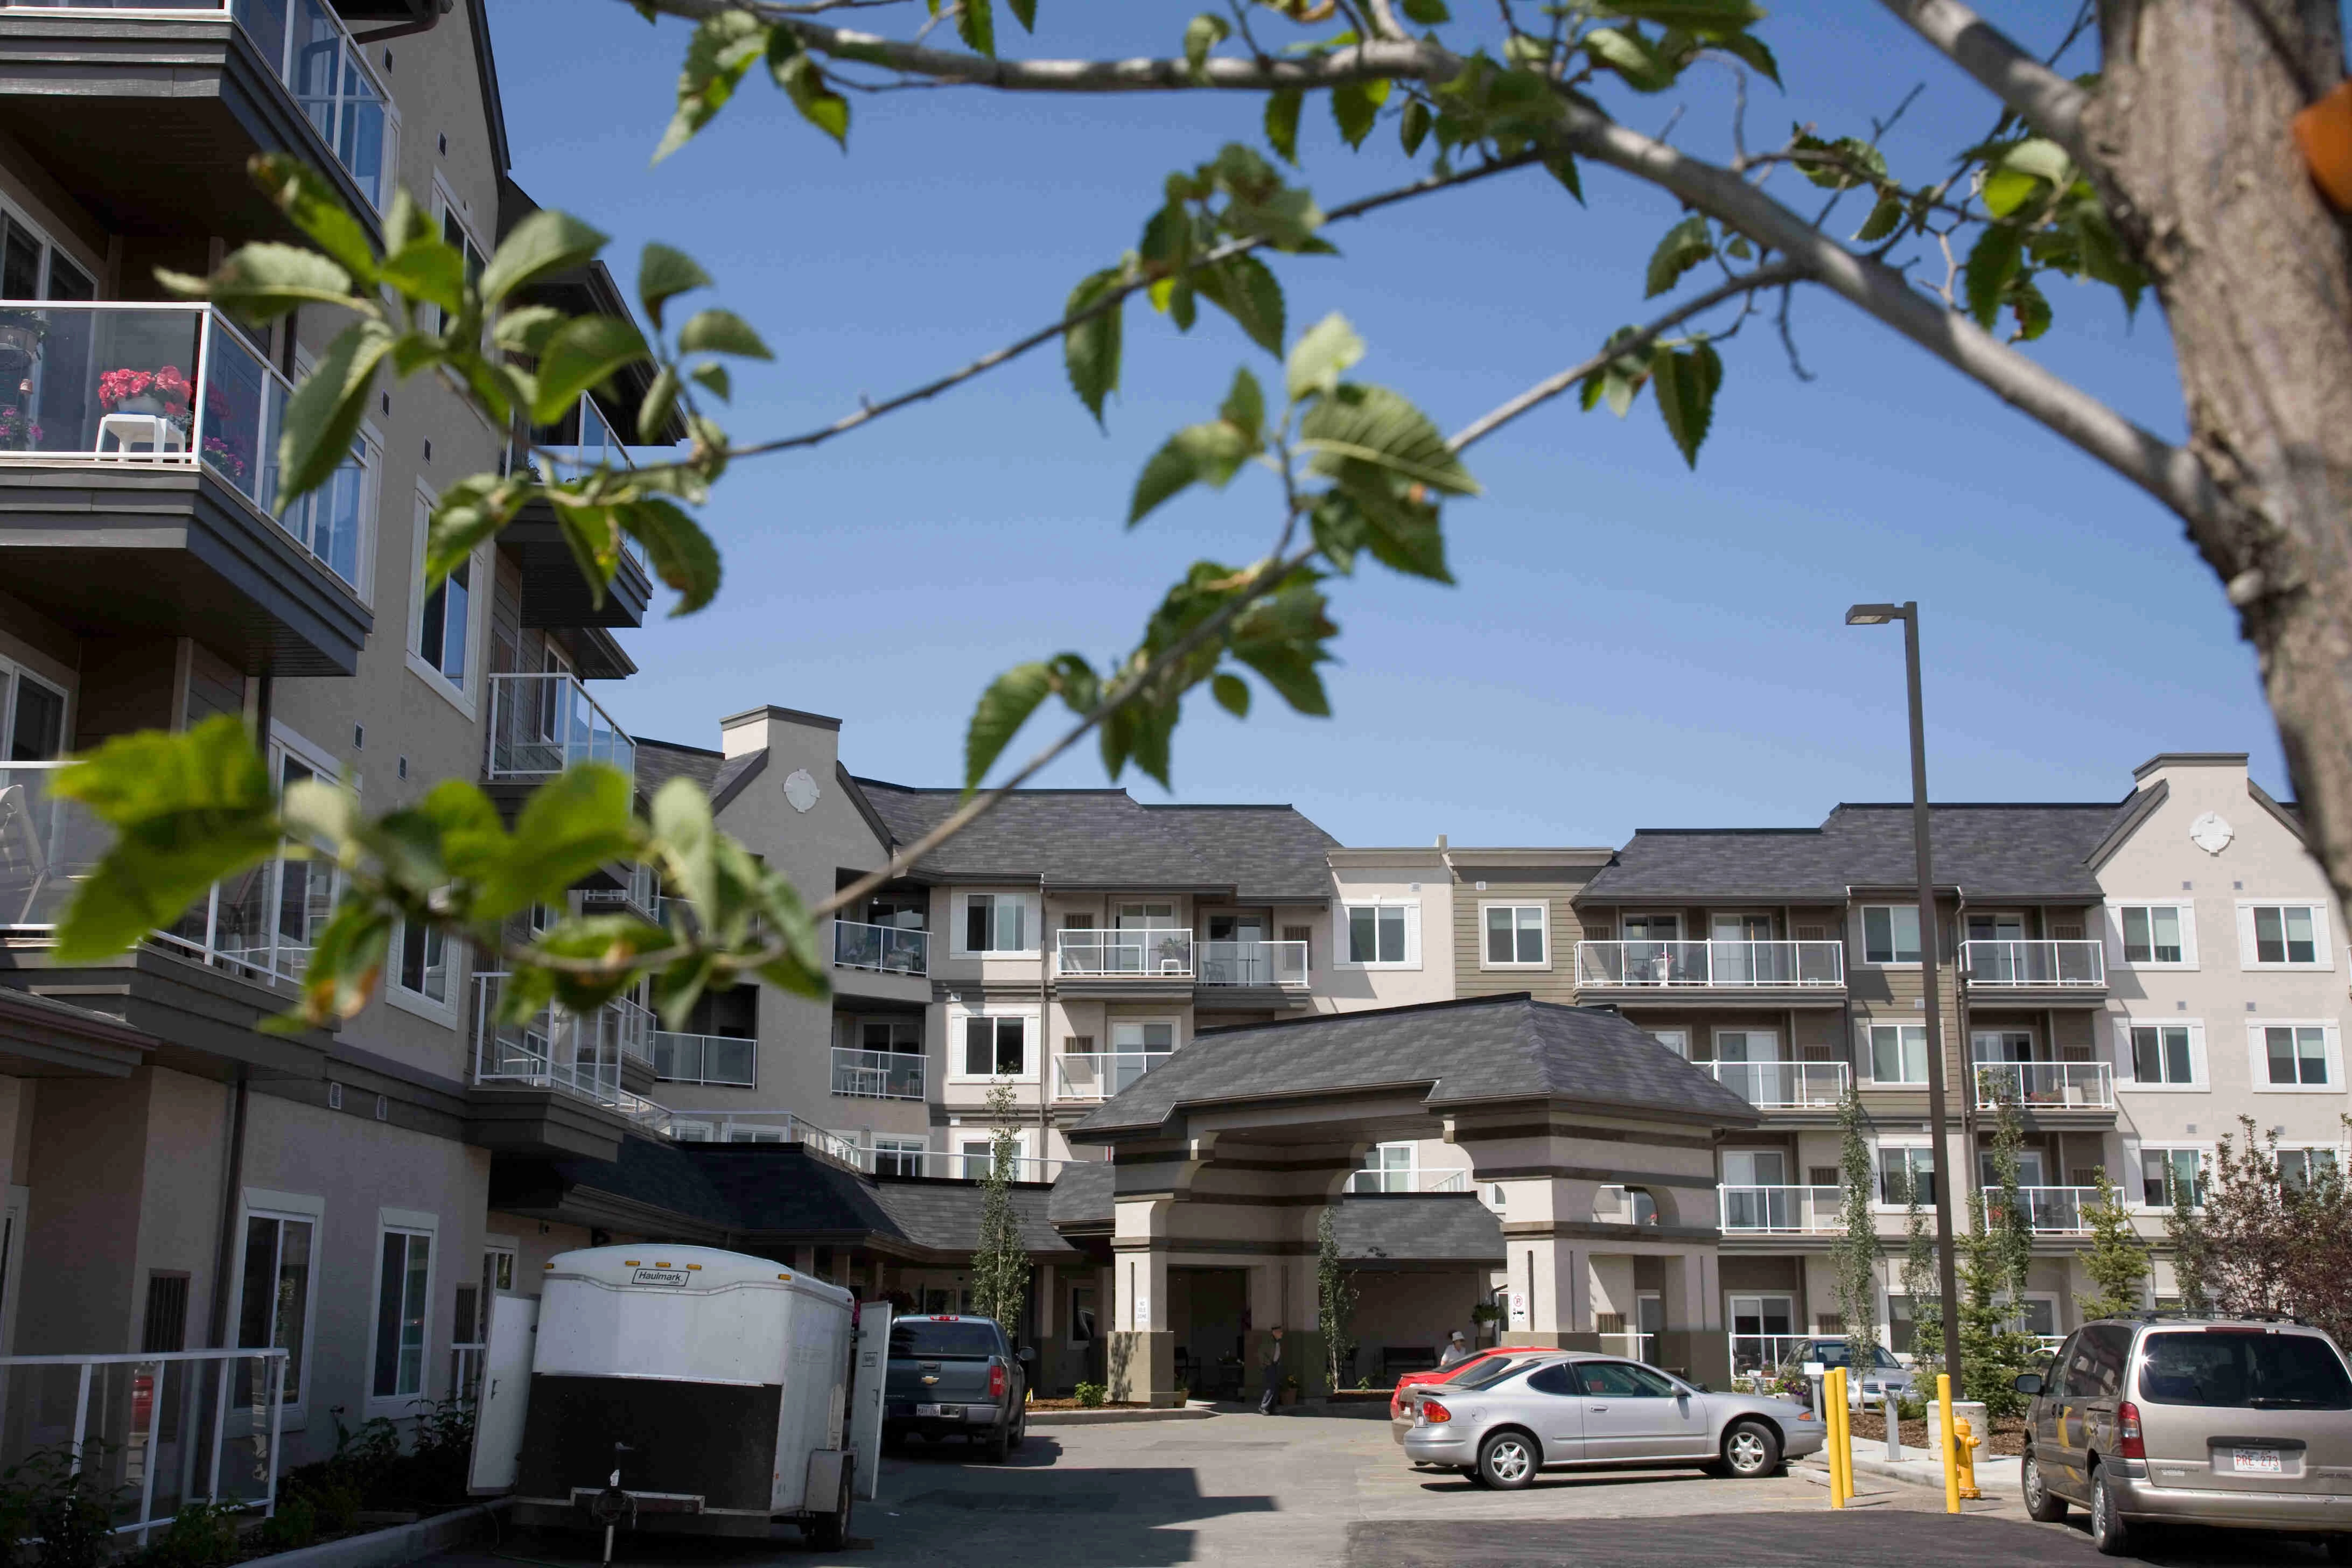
177, 1181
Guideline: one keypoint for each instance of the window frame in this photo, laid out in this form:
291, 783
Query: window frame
411, 1223
2111, 914
261, 1202
448, 204
466, 698
1032, 1033
2258, 1061
1862, 937
1869, 1046
1682, 1034
1543, 933
2200, 1080
2322, 937
1345, 940
1907, 1147
2333, 1153
1411, 1169
2137, 1195
1033, 929
421, 1003
899, 1146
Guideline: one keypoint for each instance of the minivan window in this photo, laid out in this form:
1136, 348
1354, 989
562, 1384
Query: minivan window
2244, 1370
923, 1339
2095, 1362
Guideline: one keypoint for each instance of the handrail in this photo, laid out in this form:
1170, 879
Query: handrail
885, 950
578, 1053
1795, 1210
1716, 965
862, 1074
354, 116
1415, 1180
2051, 1210
1224, 963
2088, 1086
1101, 1075
2038, 963
1781, 1085
1158, 952
544, 722
728, 1060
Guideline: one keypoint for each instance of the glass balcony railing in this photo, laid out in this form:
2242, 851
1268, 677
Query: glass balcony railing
578, 1053
2034, 964
583, 441
313, 54
1781, 1086
2046, 1086
1157, 950
878, 1075
47, 846
1719, 964
163, 385
2051, 1210
705, 1059
1100, 1074
888, 949
541, 724
1253, 963
1795, 1210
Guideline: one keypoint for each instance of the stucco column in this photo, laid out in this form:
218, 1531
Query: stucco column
1695, 1340
1142, 1349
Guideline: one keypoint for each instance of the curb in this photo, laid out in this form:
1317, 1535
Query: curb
1099, 1418
388, 1547
1910, 1472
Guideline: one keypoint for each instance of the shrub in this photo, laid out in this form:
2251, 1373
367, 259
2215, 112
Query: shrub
201, 1535
69, 1511
295, 1525
1090, 1395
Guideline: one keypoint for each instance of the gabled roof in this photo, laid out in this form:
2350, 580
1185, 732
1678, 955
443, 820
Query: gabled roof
2025, 852
720, 776
1459, 1053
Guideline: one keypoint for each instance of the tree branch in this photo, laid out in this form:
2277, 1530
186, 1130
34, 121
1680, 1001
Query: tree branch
2046, 100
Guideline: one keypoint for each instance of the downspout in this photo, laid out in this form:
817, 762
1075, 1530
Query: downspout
232, 1187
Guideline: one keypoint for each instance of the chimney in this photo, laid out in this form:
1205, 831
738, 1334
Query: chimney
793, 741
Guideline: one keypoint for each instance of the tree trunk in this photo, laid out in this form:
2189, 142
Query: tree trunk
2191, 122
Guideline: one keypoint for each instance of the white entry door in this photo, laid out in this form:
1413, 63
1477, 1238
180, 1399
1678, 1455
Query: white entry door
506, 1392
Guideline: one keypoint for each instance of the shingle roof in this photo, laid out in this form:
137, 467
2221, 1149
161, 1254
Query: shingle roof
658, 761
1992, 851
1417, 1227
1105, 838
1082, 1194
1486, 1049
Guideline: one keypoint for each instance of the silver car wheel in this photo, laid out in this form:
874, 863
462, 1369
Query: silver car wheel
1746, 1451
1509, 1460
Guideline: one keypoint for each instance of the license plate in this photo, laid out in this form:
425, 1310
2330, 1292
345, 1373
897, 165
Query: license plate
2263, 1461
927, 1410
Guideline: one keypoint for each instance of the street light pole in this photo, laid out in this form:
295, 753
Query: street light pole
1946, 1267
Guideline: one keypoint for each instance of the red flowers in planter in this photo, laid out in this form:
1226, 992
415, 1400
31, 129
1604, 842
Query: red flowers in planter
167, 386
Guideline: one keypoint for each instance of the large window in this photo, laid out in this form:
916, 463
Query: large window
402, 1303
898, 1156
274, 1295
2164, 1055
1383, 935
1903, 1172
1898, 1053
423, 966
995, 1048
2294, 1055
2157, 936
2301, 1167
1890, 933
1515, 935
2284, 936
997, 923
2166, 1173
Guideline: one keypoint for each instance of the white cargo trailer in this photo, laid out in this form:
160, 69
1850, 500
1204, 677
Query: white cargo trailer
682, 1389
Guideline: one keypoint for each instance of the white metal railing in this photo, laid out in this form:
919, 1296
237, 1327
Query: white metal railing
732, 1126
725, 1059
2037, 963
1100, 1075
1253, 963
1781, 1085
579, 1054
48, 845
312, 52
2048, 1210
2088, 1086
1412, 1180
886, 950
1717, 964
641, 893
1761, 1353
1802, 1211
466, 1360
878, 1075
1159, 950
141, 1421
542, 724
148, 385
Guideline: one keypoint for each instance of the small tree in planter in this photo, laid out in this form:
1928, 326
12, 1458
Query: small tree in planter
999, 1266
1854, 1255
1334, 1300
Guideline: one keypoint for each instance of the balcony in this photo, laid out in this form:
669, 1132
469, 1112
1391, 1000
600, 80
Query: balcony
728, 1125
1100, 1074
2049, 1211
2045, 1086
718, 1059
579, 1056
878, 1075
885, 950
635, 890
1781, 1086
554, 593
149, 113
1782, 1211
1414, 1180
1710, 965
139, 485
1160, 953
542, 724
1275, 964
2035, 965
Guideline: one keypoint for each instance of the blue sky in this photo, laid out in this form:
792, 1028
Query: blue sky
1630, 644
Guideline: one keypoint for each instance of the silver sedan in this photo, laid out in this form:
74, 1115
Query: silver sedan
1586, 1410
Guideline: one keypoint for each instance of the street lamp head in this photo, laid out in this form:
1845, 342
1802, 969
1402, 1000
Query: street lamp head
1873, 615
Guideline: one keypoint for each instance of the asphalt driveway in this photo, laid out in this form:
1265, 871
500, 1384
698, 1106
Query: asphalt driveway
1296, 1490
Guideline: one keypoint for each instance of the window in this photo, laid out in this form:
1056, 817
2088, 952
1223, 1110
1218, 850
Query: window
1652, 927
1515, 935
424, 962
442, 625
2294, 1057
1384, 935
1387, 1168
454, 232
2157, 935
1622, 1380
995, 1048
36, 717
274, 1297
2301, 1167
1903, 1322
1082, 1314
2284, 936
2166, 1173
902, 1034
996, 923
898, 1156
1898, 1053
1674, 1040
1890, 933
2163, 1055
332, 522
2092, 1365
404, 1297
1906, 1172
2247, 1370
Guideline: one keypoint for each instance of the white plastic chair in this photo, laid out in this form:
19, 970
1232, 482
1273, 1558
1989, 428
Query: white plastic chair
154, 432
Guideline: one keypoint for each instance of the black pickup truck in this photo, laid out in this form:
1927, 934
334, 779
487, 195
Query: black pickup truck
953, 1375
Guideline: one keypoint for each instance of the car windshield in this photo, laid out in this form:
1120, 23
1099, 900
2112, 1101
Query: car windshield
925, 1339
2244, 1370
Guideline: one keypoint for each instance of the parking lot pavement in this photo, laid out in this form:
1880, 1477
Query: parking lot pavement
1297, 1491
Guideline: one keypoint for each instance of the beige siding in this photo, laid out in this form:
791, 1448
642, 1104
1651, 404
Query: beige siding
1556, 980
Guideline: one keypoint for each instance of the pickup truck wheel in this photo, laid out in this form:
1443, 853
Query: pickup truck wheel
1019, 1432
2041, 1505
997, 1443
2109, 1534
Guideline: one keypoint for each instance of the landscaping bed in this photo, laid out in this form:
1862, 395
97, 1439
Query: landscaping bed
1082, 1404
2007, 1437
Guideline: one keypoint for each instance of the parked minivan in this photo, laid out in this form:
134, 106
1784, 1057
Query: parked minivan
2244, 1423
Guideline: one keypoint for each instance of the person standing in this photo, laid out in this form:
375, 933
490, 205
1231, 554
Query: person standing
1269, 1356
1457, 1351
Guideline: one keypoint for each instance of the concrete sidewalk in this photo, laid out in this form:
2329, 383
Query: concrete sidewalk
1997, 1475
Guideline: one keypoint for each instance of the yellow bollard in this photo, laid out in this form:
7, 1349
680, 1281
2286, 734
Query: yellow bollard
1832, 1405
1951, 1448
1845, 1428
1964, 1443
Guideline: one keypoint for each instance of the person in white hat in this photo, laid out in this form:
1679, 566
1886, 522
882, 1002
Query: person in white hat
1457, 1350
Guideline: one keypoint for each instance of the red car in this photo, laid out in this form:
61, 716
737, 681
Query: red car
1401, 1408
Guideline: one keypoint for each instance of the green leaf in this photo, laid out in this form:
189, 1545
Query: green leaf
1428, 13
1685, 244
1090, 350
1282, 107
721, 51
583, 354
1991, 263
1003, 708
429, 269
1373, 509
686, 838
1233, 694
1414, 129
1562, 167
1841, 165
1632, 57
676, 548
1706, 18
468, 512
1207, 454
2033, 309
713, 379
1376, 425
1752, 50
1738, 248
1686, 381
186, 809
324, 414
976, 26
525, 329
345, 966
568, 827
1202, 34
804, 82
1281, 637
720, 332
2043, 159
663, 273
1325, 352
661, 402
1245, 288
261, 282
1026, 12
1355, 106
1884, 218
312, 204
544, 243
1245, 405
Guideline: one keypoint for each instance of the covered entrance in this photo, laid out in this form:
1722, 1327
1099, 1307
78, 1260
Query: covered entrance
1208, 1315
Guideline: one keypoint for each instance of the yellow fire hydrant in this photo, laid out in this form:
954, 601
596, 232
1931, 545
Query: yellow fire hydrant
1964, 1443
